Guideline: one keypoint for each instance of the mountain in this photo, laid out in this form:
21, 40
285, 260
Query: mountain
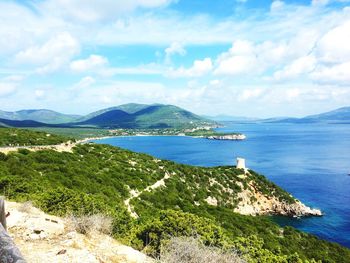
143, 116
130, 115
24, 123
41, 115
341, 115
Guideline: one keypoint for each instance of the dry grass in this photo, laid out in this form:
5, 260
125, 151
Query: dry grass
89, 224
26, 207
191, 250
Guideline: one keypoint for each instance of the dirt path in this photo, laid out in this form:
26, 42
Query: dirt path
63, 147
135, 193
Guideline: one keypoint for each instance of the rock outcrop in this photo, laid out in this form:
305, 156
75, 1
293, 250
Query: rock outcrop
45, 238
252, 202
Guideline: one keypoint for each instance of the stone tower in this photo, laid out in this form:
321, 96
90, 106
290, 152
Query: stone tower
241, 163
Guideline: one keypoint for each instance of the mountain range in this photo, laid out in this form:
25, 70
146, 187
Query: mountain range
132, 115
341, 115
143, 116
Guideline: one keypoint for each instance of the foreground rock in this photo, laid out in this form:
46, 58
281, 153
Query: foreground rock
44, 238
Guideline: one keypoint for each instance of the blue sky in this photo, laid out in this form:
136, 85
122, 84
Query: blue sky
238, 57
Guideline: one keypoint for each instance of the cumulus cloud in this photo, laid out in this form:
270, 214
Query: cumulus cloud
199, 68
337, 74
238, 60
302, 65
51, 55
334, 46
93, 62
174, 48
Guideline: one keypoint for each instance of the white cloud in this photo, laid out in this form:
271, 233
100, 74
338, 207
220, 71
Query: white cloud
238, 60
7, 88
174, 48
337, 74
51, 55
302, 65
248, 94
39, 94
93, 62
92, 11
334, 46
320, 2
85, 82
277, 5
199, 68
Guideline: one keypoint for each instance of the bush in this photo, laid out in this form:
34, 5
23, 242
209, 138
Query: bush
192, 250
63, 201
89, 224
151, 234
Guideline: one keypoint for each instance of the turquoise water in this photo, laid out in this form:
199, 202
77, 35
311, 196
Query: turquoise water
310, 161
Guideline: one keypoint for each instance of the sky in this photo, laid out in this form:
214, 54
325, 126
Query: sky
235, 57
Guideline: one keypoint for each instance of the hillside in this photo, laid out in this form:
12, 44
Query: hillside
338, 115
41, 115
341, 115
143, 116
130, 188
131, 116
22, 137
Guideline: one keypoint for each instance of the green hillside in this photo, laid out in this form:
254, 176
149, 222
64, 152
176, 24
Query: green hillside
140, 116
20, 137
98, 179
41, 115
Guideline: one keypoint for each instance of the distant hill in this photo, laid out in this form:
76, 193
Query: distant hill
143, 116
41, 115
341, 115
25, 123
131, 115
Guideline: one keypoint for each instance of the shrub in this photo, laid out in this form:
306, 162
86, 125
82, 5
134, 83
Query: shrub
89, 224
62, 201
192, 250
25, 207
151, 234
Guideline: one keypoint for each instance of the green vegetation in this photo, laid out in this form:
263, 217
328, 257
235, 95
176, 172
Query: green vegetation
42, 115
21, 137
97, 179
135, 116
206, 133
76, 133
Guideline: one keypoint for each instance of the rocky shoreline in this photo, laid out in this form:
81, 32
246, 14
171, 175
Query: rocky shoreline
271, 205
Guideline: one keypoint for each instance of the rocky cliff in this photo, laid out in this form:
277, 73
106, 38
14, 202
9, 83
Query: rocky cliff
254, 202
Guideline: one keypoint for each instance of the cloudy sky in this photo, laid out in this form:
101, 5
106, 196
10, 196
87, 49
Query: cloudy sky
239, 57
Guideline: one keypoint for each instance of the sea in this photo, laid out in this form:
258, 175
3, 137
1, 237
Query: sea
311, 161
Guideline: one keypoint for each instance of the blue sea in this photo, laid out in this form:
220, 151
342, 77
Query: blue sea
311, 161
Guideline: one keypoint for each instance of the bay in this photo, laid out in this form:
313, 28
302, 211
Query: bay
311, 161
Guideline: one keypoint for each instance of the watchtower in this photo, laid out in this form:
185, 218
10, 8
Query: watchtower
241, 163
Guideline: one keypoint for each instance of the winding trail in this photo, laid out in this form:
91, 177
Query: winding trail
135, 193
63, 147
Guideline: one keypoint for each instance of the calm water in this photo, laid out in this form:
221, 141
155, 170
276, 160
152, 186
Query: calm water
310, 161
